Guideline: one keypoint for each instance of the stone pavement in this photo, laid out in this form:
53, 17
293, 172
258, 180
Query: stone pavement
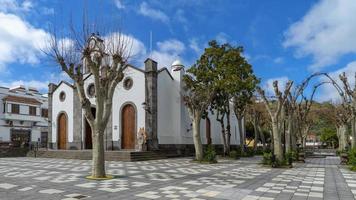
41, 178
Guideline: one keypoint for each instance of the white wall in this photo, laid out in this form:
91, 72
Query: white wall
59, 107
35, 134
27, 120
168, 108
135, 96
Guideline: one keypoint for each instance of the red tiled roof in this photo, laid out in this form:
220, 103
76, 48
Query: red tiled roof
24, 100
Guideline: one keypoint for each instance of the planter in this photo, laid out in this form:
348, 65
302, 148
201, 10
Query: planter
344, 157
301, 157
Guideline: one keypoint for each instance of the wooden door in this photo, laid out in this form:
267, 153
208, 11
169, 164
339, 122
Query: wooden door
128, 127
62, 131
88, 137
208, 131
88, 134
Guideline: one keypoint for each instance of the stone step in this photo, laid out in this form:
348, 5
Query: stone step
109, 155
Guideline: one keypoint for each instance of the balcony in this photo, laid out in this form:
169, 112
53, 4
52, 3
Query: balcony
22, 117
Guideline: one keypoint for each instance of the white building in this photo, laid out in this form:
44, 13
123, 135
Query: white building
146, 98
23, 116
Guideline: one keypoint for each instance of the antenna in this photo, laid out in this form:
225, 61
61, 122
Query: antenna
150, 44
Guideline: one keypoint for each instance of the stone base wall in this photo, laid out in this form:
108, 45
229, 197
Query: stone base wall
188, 149
13, 152
74, 145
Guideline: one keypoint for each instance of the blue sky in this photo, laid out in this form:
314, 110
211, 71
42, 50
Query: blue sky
282, 39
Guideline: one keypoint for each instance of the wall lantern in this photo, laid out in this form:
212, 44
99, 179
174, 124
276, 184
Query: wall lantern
146, 107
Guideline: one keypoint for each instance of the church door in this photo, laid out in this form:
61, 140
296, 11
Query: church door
208, 131
128, 125
62, 131
88, 136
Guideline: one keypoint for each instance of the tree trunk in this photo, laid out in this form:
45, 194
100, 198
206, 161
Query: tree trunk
196, 138
222, 124
288, 134
255, 129
293, 135
304, 141
263, 139
353, 130
342, 137
98, 162
241, 133
228, 133
277, 142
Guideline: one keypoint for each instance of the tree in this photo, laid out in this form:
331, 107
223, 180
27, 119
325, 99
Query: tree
220, 105
198, 95
348, 98
329, 137
231, 72
233, 80
343, 116
256, 115
274, 109
105, 59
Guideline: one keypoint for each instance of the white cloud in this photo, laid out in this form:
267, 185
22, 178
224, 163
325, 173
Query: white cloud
119, 4
135, 48
268, 85
246, 56
326, 32
15, 6
180, 16
168, 51
155, 14
193, 44
171, 45
42, 86
222, 38
19, 41
328, 92
278, 60
47, 11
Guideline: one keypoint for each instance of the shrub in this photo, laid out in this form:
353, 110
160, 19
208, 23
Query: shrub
235, 154
289, 157
210, 154
352, 159
259, 151
338, 152
249, 152
267, 158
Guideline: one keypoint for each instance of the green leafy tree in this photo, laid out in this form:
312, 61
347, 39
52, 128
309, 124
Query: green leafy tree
234, 84
197, 96
329, 136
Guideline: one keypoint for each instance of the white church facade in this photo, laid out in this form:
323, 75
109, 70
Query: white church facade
148, 98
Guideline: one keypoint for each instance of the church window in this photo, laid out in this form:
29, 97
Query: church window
91, 90
128, 83
62, 96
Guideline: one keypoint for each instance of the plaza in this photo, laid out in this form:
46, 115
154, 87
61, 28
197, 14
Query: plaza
64, 179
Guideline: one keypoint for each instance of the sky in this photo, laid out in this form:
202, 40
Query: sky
283, 40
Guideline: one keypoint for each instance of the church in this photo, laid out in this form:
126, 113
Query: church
148, 98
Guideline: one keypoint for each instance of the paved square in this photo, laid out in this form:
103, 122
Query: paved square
40, 178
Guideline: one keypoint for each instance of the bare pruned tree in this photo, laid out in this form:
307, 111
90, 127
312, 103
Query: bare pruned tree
82, 52
274, 108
